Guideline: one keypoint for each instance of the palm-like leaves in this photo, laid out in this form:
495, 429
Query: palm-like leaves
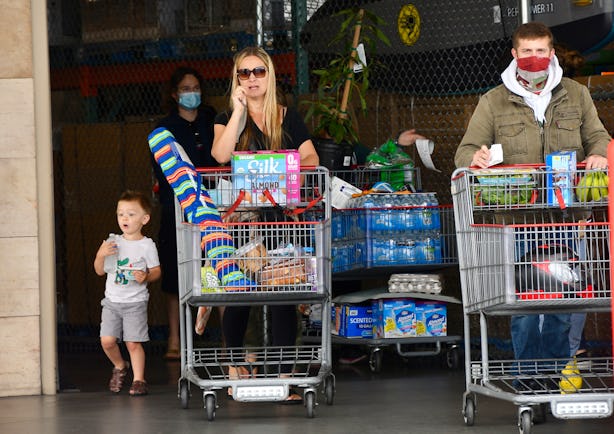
326, 108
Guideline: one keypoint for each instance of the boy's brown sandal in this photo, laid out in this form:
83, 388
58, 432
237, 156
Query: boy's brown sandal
138, 388
117, 378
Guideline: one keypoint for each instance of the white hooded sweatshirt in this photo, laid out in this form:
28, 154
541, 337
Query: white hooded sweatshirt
538, 102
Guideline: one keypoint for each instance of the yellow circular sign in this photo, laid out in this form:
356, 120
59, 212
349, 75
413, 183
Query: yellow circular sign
408, 24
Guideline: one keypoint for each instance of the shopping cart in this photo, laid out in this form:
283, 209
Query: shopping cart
380, 234
530, 243
365, 177
287, 260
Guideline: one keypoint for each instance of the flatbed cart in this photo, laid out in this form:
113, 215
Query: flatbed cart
287, 262
528, 244
406, 347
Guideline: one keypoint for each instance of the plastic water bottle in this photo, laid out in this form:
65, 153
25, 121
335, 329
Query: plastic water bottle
339, 259
368, 203
408, 177
311, 267
407, 249
431, 247
110, 262
436, 223
339, 225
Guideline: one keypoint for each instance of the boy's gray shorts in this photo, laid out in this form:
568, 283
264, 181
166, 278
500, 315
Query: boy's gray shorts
125, 321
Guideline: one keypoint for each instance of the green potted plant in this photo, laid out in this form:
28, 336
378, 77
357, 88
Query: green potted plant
338, 85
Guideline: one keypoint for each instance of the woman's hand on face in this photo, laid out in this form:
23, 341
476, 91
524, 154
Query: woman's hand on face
239, 98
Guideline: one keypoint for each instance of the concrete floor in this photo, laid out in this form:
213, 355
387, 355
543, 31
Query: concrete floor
416, 396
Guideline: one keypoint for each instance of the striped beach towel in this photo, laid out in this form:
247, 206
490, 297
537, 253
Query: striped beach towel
198, 208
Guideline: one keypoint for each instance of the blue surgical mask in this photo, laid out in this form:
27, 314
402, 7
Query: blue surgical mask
189, 100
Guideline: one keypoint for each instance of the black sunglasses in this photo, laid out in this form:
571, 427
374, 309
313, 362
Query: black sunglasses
259, 72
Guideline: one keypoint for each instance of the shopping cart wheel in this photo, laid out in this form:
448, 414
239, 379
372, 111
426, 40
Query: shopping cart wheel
452, 357
329, 389
469, 411
375, 361
184, 393
525, 422
539, 413
210, 406
310, 402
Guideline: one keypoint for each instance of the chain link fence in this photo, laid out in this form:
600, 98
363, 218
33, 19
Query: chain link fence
110, 60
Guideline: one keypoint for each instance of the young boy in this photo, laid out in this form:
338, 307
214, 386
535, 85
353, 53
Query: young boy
124, 308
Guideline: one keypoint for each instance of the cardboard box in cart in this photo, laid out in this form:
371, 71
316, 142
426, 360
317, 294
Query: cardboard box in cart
431, 319
561, 168
275, 171
352, 321
394, 318
357, 322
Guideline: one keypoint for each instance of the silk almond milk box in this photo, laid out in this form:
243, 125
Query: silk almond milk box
275, 171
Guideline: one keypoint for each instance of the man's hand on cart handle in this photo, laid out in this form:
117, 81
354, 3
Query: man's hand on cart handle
482, 157
596, 162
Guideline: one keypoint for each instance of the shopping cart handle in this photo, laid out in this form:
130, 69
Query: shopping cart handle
235, 205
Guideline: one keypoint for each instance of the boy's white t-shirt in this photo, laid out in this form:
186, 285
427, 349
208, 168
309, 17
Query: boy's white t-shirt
131, 255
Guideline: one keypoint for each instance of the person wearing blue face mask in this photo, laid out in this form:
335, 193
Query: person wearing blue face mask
189, 100
191, 122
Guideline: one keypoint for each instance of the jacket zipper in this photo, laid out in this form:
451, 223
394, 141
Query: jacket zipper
542, 137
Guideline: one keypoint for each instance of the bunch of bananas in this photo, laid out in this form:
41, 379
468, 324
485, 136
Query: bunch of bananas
571, 381
592, 187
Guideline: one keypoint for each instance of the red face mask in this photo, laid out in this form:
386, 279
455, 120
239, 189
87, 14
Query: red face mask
533, 63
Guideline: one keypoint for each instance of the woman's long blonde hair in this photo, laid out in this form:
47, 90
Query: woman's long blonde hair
271, 110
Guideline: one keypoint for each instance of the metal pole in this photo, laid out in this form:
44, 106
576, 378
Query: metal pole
259, 24
525, 11
299, 18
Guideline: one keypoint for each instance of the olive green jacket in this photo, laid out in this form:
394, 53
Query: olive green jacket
572, 124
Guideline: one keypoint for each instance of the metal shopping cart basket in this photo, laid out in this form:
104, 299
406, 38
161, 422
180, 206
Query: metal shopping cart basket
287, 261
528, 243
380, 234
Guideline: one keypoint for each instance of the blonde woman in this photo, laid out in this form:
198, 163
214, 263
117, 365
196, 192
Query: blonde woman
256, 120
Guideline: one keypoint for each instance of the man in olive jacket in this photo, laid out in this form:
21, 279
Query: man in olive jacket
533, 113
559, 115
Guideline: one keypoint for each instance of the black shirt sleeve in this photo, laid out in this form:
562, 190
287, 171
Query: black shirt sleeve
295, 128
222, 118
